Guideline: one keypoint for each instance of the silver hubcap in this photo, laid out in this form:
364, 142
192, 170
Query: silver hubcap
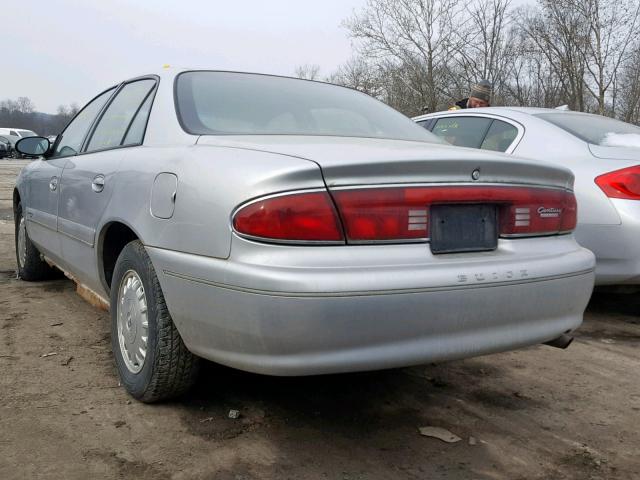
133, 323
22, 242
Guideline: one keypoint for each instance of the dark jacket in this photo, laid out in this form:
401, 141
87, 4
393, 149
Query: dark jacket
461, 104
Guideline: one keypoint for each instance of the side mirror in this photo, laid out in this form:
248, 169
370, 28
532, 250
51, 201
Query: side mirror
33, 146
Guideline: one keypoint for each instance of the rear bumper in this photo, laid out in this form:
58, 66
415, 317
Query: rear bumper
616, 247
316, 319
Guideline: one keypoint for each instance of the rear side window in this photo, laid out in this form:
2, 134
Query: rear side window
462, 131
71, 139
594, 129
135, 135
500, 136
116, 122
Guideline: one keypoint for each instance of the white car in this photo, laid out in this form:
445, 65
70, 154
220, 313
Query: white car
603, 153
13, 135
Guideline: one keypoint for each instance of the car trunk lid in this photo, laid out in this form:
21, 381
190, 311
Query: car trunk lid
366, 161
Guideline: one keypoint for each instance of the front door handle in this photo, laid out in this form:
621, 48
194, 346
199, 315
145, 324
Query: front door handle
53, 184
98, 183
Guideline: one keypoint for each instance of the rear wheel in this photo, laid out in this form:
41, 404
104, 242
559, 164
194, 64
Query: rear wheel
31, 266
152, 360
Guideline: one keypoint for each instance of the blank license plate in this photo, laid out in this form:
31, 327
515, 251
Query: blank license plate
463, 228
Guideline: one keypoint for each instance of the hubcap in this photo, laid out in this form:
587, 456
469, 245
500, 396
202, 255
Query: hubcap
133, 322
22, 242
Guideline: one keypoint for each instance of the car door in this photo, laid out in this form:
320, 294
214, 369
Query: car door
43, 184
88, 178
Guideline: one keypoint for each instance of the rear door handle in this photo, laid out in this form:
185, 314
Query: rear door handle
53, 184
97, 185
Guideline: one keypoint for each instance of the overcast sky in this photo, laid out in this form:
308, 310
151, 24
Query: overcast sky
69, 50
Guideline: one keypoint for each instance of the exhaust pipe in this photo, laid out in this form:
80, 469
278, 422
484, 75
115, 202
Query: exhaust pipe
563, 341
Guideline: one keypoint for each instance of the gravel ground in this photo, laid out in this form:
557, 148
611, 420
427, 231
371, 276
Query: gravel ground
537, 413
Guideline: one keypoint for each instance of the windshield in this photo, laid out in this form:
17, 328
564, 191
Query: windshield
226, 103
27, 133
596, 129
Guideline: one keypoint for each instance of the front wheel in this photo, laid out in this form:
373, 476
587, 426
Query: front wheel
152, 360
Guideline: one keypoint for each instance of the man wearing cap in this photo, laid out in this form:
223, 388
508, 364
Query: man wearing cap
480, 96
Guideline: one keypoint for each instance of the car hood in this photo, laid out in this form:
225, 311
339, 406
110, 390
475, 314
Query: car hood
356, 161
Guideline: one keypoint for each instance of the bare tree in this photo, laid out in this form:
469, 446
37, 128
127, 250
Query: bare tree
485, 48
356, 73
555, 33
628, 88
307, 71
412, 40
25, 105
9, 106
62, 111
612, 26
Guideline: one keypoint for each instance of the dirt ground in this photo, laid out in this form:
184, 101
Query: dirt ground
538, 413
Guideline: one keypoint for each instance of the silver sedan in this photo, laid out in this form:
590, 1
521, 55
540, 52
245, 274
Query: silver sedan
291, 227
603, 153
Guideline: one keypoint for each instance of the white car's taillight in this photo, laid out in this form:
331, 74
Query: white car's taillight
623, 183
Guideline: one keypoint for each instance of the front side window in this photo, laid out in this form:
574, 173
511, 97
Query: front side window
120, 115
71, 139
499, 137
227, 103
462, 131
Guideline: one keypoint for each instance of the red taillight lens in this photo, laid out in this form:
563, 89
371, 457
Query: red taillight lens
623, 183
397, 214
538, 211
295, 217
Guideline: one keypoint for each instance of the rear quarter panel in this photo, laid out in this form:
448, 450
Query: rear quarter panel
212, 182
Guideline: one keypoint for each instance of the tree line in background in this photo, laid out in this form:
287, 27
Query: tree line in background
21, 113
422, 55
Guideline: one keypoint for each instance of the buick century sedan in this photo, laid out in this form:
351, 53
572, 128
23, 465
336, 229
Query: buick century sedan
292, 227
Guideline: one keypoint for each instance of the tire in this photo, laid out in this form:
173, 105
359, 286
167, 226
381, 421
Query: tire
31, 266
167, 369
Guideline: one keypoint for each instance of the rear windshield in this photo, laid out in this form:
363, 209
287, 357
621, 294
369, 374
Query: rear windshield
227, 103
26, 133
596, 129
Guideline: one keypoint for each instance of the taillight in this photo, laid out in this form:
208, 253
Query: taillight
539, 212
402, 214
304, 217
623, 183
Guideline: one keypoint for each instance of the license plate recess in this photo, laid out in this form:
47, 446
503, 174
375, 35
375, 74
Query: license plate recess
463, 228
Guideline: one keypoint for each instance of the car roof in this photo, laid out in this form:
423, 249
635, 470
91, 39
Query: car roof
507, 111
168, 71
